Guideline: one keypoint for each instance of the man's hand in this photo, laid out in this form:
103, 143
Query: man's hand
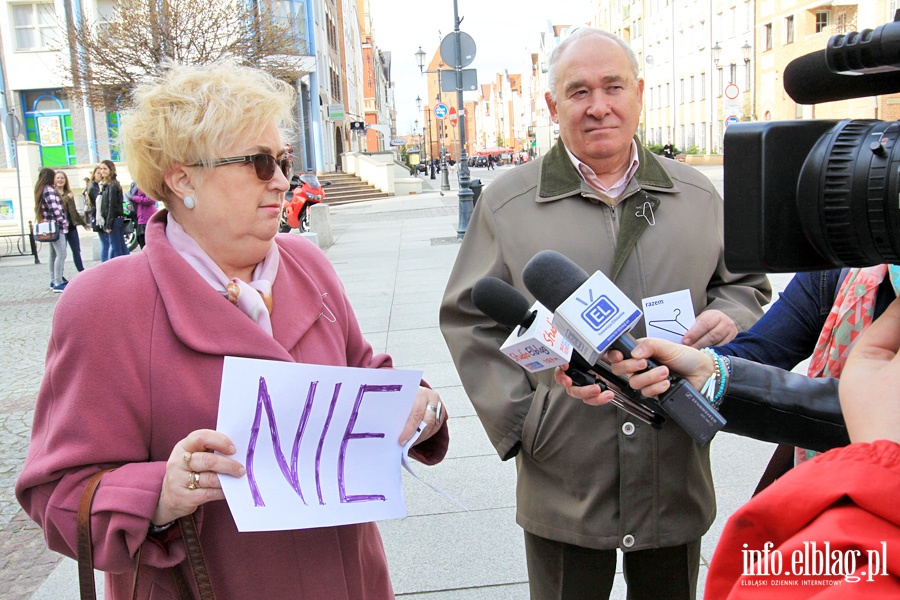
870, 381
712, 327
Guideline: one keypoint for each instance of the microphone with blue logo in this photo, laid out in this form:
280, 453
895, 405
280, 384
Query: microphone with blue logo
594, 315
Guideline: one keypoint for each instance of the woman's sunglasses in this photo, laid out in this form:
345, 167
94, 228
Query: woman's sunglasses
264, 164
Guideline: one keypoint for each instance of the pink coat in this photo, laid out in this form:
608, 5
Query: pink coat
160, 341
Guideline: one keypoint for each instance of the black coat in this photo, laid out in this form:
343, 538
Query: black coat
111, 199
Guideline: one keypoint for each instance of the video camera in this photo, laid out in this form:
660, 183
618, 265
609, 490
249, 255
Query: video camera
806, 195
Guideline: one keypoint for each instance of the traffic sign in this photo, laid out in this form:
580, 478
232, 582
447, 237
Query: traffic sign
440, 110
731, 120
466, 47
453, 116
732, 91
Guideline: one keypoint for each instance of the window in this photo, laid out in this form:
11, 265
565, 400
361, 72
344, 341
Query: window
789, 30
840, 23
747, 82
821, 21
767, 30
721, 82
703, 86
691, 88
732, 73
34, 26
681, 89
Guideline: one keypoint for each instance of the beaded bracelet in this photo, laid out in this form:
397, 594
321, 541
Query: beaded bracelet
714, 388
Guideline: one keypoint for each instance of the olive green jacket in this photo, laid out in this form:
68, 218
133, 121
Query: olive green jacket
585, 475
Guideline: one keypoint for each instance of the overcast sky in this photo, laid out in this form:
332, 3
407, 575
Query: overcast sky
505, 32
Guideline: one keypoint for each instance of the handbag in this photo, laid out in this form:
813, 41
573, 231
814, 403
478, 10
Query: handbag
46, 231
86, 552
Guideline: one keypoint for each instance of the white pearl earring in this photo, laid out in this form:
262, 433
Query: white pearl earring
189, 202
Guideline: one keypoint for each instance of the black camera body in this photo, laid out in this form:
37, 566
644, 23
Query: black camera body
807, 195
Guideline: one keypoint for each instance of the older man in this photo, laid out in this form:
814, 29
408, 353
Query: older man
593, 479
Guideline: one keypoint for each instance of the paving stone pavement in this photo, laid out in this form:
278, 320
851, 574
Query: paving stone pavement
26, 307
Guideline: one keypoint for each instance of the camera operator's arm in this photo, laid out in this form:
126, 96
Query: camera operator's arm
761, 402
871, 379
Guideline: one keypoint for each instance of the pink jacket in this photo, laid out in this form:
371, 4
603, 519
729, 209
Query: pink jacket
162, 341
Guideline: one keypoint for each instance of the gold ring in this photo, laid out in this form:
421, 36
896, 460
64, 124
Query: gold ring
193, 480
186, 457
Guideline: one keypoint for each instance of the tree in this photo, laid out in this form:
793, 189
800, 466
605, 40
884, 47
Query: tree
108, 57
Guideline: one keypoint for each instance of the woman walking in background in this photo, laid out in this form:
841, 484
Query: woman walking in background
145, 207
111, 210
73, 217
48, 207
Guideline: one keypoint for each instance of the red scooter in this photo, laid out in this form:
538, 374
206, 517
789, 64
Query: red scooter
295, 209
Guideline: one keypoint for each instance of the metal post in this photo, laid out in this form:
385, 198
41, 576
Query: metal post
445, 176
465, 191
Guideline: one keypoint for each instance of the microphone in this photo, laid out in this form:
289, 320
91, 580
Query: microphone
589, 312
506, 305
809, 80
536, 345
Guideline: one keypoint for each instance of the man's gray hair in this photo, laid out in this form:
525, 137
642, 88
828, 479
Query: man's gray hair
576, 35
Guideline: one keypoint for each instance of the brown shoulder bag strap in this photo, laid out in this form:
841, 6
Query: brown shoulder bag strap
195, 557
84, 544
86, 552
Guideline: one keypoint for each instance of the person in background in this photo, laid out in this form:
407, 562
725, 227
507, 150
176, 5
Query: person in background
92, 201
111, 209
61, 184
49, 207
669, 150
214, 280
591, 480
145, 207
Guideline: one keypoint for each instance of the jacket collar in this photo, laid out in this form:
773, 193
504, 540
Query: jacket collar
559, 178
205, 321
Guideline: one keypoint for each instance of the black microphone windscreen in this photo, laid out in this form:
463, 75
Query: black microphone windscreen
808, 80
500, 301
552, 277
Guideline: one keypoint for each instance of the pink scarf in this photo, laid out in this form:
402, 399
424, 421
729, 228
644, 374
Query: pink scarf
254, 299
852, 312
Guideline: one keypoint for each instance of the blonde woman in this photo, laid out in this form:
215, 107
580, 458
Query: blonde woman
213, 280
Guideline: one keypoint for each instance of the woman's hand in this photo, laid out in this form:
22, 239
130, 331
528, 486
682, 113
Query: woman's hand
590, 394
693, 365
426, 407
192, 474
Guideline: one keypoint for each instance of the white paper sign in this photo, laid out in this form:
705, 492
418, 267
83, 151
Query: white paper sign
669, 316
319, 443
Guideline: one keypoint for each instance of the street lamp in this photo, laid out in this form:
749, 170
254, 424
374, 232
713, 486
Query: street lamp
746, 52
716, 56
445, 176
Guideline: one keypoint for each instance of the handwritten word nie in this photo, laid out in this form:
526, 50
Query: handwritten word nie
290, 471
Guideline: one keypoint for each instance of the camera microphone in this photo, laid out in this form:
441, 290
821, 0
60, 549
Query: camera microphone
809, 80
853, 65
595, 315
